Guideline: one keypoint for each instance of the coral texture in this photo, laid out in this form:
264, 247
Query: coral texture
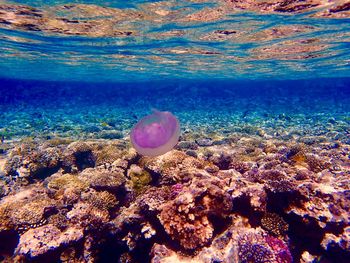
255, 200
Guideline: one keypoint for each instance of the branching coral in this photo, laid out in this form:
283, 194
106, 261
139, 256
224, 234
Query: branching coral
101, 200
274, 224
187, 218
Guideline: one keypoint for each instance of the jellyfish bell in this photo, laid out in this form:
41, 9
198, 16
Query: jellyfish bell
155, 134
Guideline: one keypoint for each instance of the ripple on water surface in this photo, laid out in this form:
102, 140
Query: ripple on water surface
178, 39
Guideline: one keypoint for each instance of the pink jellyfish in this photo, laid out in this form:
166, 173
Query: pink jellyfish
156, 133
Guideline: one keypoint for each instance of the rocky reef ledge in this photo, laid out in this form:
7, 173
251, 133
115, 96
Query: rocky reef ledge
242, 198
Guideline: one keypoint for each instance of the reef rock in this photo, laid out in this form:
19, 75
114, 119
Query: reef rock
172, 167
41, 240
78, 156
29, 160
187, 218
25, 210
236, 244
104, 179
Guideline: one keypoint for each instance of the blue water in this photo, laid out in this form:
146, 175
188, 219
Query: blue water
148, 40
86, 110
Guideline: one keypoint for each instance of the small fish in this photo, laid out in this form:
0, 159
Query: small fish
245, 114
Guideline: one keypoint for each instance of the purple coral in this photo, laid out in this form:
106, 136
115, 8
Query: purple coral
258, 248
254, 253
252, 248
280, 248
176, 189
156, 133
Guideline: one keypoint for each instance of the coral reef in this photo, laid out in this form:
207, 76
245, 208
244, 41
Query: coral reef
274, 224
25, 209
187, 218
28, 160
261, 169
104, 179
255, 200
233, 245
41, 240
78, 156
139, 177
